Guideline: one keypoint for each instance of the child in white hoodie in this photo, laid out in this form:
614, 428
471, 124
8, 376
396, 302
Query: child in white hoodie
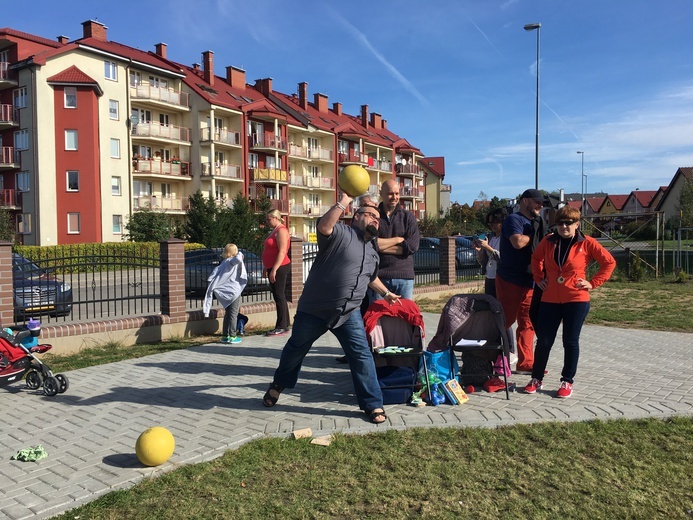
226, 283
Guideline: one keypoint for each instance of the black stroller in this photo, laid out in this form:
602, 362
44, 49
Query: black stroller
474, 324
18, 351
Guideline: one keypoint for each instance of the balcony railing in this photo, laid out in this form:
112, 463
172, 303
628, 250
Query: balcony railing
7, 75
166, 95
8, 156
409, 169
298, 151
228, 171
281, 205
268, 174
159, 202
268, 140
353, 157
312, 210
323, 154
10, 198
221, 136
151, 129
8, 115
309, 181
411, 191
161, 167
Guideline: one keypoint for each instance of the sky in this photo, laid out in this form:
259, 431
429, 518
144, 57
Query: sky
456, 78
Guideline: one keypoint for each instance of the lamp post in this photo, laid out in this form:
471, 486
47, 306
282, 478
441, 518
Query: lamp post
583, 180
531, 27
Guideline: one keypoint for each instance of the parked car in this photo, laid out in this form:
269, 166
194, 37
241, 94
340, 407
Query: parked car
37, 291
199, 264
427, 258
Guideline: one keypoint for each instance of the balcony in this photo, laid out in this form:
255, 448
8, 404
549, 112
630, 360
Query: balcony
268, 141
158, 167
267, 174
161, 203
147, 92
307, 181
221, 137
159, 131
384, 166
225, 171
281, 205
9, 157
309, 210
9, 116
409, 170
411, 192
353, 157
10, 199
8, 78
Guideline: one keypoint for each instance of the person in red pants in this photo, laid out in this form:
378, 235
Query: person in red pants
514, 283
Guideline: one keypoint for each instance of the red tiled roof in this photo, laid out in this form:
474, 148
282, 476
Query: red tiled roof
435, 164
644, 197
595, 202
577, 204
7, 31
618, 200
71, 75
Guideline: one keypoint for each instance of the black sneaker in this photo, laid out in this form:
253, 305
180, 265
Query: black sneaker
341, 359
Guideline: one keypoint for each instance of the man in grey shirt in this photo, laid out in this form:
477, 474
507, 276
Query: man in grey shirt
346, 265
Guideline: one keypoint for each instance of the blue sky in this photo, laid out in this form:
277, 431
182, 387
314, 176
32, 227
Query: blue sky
457, 78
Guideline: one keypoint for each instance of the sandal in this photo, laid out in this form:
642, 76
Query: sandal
270, 400
377, 415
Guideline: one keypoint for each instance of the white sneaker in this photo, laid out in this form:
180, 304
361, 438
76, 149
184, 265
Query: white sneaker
513, 358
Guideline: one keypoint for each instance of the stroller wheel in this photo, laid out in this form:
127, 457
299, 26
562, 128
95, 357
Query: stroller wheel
63, 383
50, 386
33, 380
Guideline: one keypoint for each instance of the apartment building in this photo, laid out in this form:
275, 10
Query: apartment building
92, 130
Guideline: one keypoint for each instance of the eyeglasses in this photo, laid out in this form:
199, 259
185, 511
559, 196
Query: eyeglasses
566, 222
370, 214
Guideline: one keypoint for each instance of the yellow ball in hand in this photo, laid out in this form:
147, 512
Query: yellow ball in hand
155, 446
354, 180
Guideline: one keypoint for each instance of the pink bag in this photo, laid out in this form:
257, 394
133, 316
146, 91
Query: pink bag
501, 366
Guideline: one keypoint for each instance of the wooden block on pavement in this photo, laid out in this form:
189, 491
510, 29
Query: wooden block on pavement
302, 434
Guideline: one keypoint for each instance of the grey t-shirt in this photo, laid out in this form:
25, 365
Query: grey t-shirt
338, 280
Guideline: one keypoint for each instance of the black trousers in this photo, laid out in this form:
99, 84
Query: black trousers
279, 294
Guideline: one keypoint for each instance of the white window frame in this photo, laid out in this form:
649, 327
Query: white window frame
166, 191
110, 70
253, 160
116, 186
72, 186
70, 229
23, 223
21, 140
135, 78
117, 224
70, 97
271, 162
113, 109
115, 148
71, 140
23, 181
219, 191
19, 97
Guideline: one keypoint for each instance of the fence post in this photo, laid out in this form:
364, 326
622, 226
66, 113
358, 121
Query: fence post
448, 273
6, 285
294, 287
172, 277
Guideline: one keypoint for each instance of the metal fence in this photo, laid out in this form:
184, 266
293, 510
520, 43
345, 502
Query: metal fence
683, 251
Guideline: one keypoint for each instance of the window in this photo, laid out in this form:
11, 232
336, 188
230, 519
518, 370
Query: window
219, 158
113, 111
72, 180
70, 139
135, 78
314, 171
115, 185
70, 97
165, 190
252, 160
117, 224
115, 148
24, 223
271, 161
23, 181
219, 192
21, 140
110, 70
163, 119
19, 97
343, 147
73, 224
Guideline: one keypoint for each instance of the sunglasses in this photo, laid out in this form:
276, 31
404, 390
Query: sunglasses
566, 222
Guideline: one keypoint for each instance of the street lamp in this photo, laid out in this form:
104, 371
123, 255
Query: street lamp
583, 179
531, 27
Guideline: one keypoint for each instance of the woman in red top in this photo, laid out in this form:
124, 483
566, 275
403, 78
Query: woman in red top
276, 262
559, 266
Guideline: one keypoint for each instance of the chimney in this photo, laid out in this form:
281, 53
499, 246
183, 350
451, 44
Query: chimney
384, 124
364, 116
303, 95
94, 29
320, 102
160, 50
208, 66
235, 77
264, 86
196, 67
63, 39
337, 108
375, 120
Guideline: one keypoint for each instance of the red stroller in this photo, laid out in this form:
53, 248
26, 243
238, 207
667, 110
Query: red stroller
17, 357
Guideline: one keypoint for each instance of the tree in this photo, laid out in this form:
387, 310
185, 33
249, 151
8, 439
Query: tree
685, 206
147, 225
6, 226
201, 220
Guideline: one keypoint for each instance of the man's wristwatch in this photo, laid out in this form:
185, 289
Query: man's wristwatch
386, 293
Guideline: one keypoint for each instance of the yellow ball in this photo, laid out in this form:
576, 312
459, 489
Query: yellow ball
354, 180
155, 446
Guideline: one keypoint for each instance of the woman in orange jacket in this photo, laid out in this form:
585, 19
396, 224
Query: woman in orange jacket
559, 266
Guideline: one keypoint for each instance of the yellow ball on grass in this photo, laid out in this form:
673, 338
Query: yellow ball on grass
155, 446
354, 180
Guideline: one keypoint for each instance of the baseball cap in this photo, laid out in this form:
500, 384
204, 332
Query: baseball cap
536, 195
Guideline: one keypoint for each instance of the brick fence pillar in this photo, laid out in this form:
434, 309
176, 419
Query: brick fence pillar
172, 276
294, 287
448, 273
6, 286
